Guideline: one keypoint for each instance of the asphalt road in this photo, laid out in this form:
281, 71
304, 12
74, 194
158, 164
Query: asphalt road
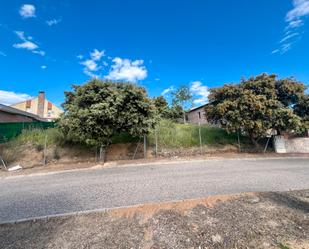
34, 196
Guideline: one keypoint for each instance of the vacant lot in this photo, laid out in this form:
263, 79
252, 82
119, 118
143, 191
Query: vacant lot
28, 149
265, 220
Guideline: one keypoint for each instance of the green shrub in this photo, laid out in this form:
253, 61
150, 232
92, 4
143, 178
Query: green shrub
37, 136
124, 138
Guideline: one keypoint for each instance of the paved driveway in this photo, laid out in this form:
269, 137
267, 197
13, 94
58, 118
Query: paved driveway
33, 196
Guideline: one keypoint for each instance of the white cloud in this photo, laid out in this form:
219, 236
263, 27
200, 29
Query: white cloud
9, 98
127, 70
295, 20
43, 67
200, 92
289, 36
301, 9
53, 22
295, 24
27, 43
40, 52
275, 51
167, 90
96, 55
121, 69
92, 65
2, 54
27, 10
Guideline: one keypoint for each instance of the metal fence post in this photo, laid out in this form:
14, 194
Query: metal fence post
266, 146
145, 147
3, 163
156, 141
45, 147
238, 139
200, 137
102, 154
135, 151
96, 154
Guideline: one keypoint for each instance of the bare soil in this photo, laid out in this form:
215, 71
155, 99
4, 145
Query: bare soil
256, 220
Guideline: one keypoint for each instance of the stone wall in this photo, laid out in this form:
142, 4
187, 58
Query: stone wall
291, 145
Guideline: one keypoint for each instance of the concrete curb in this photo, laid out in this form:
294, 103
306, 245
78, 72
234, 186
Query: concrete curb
158, 163
104, 210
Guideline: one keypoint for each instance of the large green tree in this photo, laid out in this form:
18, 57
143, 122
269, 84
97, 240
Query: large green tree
165, 111
98, 110
302, 109
257, 105
161, 107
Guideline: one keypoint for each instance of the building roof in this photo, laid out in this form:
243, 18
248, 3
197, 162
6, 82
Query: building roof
195, 108
9, 109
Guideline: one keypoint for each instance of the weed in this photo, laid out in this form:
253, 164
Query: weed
39, 147
282, 246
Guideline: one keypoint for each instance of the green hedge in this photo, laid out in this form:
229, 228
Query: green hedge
11, 130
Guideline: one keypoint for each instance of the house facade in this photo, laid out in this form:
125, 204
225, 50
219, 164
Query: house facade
197, 115
40, 106
12, 115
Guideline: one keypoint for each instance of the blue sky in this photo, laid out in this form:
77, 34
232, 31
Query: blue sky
160, 44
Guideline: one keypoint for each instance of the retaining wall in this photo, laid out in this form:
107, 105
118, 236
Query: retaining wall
291, 145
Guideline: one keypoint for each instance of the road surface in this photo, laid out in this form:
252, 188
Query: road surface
66, 192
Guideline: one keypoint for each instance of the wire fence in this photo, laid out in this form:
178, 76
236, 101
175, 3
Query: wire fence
171, 139
168, 140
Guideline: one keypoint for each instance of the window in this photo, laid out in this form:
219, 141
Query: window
199, 115
28, 105
49, 106
50, 113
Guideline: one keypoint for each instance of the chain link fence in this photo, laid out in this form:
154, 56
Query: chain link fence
170, 139
167, 140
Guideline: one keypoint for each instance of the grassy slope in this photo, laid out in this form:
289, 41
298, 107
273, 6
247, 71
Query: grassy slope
169, 134
179, 135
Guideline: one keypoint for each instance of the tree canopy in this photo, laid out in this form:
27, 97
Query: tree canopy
182, 97
164, 111
97, 110
161, 106
259, 104
302, 109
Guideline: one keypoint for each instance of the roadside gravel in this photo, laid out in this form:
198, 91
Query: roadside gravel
262, 220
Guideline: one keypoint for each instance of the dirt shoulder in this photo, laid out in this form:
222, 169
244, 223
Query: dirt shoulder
256, 220
79, 165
